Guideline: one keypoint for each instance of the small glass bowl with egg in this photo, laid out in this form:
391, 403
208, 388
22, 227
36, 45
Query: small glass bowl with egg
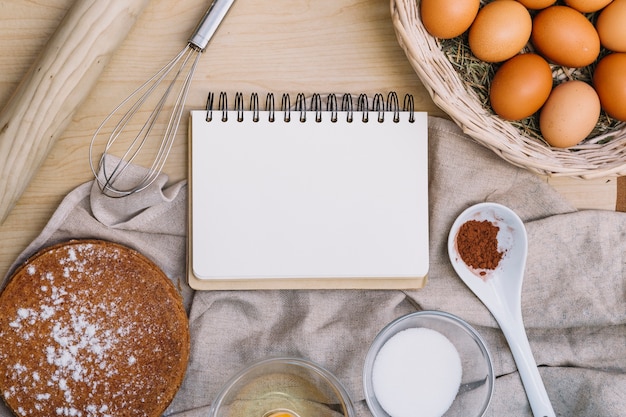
431, 363
283, 387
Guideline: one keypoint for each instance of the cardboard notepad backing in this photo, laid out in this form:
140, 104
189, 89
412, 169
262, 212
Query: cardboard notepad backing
307, 198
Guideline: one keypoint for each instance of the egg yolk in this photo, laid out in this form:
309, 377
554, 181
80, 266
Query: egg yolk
282, 414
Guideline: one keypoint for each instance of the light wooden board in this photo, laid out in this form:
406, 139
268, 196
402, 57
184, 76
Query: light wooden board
293, 46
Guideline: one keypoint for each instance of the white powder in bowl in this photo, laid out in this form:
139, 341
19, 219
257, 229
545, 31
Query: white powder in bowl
417, 372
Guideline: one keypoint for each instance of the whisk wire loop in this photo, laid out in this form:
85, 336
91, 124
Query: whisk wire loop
109, 174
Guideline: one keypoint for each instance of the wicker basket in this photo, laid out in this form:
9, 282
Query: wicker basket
603, 155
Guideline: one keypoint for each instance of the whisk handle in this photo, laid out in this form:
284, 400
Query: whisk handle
209, 23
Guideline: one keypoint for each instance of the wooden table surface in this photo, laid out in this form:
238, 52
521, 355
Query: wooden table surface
263, 46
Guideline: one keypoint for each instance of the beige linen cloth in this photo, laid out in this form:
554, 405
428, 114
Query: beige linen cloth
574, 293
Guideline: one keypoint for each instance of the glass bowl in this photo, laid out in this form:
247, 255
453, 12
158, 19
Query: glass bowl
462, 386
283, 387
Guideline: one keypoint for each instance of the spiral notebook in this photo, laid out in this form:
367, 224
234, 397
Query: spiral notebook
318, 193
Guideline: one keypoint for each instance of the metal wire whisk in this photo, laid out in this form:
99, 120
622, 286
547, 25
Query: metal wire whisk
109, 173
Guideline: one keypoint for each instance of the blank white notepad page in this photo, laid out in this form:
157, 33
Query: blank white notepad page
309, 199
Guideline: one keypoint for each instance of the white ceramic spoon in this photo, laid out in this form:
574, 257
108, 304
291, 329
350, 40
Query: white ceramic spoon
500, 290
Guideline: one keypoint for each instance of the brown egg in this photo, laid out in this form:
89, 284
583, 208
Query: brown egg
611, 26
570, 114
501, 29
587, 6
447, 19
609, 80
537, 4
520, 86
565, 37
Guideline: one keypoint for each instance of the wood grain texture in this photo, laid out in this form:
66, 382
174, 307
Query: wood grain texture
283, 46
58, 81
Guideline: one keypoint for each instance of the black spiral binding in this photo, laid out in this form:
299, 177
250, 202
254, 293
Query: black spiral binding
379, 107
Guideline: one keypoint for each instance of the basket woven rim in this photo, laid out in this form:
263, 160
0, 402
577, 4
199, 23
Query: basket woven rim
596, 157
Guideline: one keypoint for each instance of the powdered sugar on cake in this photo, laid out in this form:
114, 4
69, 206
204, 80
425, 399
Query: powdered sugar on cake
82, 328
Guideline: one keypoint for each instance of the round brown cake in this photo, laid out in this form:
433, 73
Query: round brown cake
91, 328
